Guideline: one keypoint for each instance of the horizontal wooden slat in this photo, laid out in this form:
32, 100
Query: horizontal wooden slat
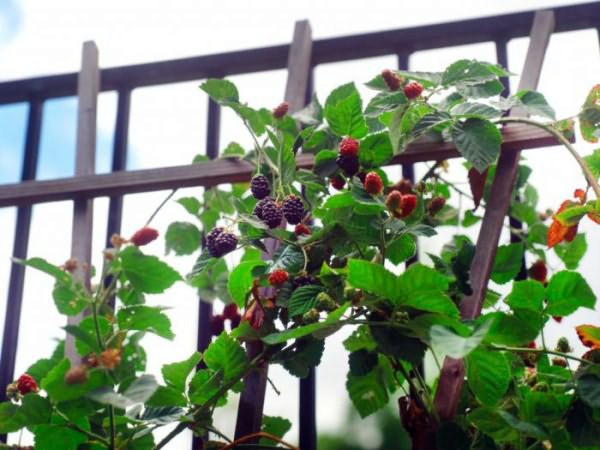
423, 37
222, 171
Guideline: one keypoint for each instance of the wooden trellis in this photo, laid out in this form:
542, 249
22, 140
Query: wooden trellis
300, 58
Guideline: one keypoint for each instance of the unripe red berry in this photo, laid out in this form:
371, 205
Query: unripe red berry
538, 271
26, 384
532, 344
230, 311
557, 319
373, 183
278, 277
76, 375
408, 205
144, 236
349, 147
337, 182
393, 201
110, 358
392, 80
435, 205
281, 110
412, 90
301, 229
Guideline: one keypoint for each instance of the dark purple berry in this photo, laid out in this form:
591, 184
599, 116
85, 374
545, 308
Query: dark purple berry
348, 164
223, 244
259, 207
259, 185
303, 280
293, 209
217, 325
271, 214
210, 239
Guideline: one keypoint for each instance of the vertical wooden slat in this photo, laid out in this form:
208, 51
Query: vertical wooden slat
252, 399
452, 376
81, 240
205, 308
14, 300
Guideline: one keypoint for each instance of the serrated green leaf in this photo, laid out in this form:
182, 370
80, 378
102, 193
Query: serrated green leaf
566, 292
241, 280
488, 375
507, 263
303, 357
593, 162
59, 391
226, 355
145, 318
176, 374
373, 278
446, 341
401, 249
468, 72
375, 150
233, 149
476, 110
58, 437
571, 252
183, 238
588, 388
147, 273
343, 112
478, 140
368, 392
223, 92
69, 300
276, 426
303, 299
527, 294
535, 104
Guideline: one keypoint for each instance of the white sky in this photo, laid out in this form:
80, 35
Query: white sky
167, 128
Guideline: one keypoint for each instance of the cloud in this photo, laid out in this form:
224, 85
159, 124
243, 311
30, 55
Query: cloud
10, 21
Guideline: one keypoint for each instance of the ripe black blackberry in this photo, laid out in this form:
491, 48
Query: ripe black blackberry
271, 214
259, 207
224, 243
303, 280
293, 209
259, 185
210, 239
348, 164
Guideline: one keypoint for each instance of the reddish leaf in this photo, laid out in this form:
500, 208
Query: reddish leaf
589, 335
477, 183
556, 233
580, 194
594, 216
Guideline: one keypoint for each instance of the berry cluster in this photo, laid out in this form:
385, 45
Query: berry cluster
435, 205
219, 242
278, 277
347, 159
293, 209
26, 384
231, 313
392, 80
269, 212
399, 205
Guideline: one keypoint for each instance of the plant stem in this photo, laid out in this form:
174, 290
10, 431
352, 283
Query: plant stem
111, 420
163, 203
76, 427
539, 350
558, 135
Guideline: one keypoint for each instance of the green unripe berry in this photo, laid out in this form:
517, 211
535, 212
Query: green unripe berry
325, 302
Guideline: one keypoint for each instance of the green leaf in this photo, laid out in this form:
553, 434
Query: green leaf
478, 140
34, 410
331, 323
311, 114
589, 117
58, 437
383, 102
145, 318
488, 420
476, 110
588, 389
203, 386
535, 104
69, 300
276, 426
223, 92
593, 163
306, 355
446, 341
226, 355
527, 294
343, 111
141, 389
162, 415
435, 120
568, 291
507, 263
362, 362
375, 150
183, 238
469, 72
233, 149
176, 374
427, 79
59, 391
584, 431
372, 278
419, 279
368, 392
401, 249
9, 419
241, 280
289, 258
325, 164
526, 428
44, 266
481, 90
166, 396
488, 375
303, 299
41, 367
519, 328
147, 273
571, 252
